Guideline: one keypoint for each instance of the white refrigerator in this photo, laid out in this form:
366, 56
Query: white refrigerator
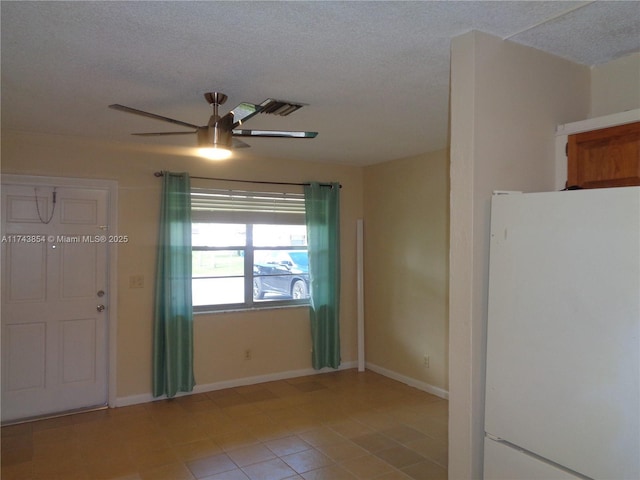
563, 336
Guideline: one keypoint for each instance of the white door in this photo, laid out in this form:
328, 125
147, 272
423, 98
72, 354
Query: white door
54, 299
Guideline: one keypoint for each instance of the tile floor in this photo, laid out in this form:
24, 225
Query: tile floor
334, 426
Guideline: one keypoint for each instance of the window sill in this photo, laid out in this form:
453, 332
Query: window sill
250, 309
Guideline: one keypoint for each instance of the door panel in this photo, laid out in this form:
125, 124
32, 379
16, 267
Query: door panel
54, 340
25, 356
78, 211
23, 209
78, 274
26, 268
78, 351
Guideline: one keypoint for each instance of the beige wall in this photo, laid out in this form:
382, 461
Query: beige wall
406, 251
506, 101
406, 273
615, 86
279, 339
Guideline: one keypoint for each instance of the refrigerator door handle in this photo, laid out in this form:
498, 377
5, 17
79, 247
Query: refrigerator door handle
532, 455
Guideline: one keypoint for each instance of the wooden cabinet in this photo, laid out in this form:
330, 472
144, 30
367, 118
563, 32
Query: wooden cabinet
599, 152
607, 157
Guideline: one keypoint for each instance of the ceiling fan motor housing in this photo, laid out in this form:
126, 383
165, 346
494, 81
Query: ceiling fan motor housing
214, 136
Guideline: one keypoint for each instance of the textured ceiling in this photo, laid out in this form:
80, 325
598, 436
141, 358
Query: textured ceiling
375, 74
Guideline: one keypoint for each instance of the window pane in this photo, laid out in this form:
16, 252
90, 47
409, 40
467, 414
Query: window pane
280, 235
218, 263
280, 275
220, 270
218, 234
218, 277
217, 291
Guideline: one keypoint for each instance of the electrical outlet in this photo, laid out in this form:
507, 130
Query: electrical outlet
136, 281
247, 354
426, 361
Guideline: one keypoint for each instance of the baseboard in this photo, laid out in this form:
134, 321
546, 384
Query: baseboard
412, 382
239, 382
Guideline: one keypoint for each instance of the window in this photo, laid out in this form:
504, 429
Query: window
249, 250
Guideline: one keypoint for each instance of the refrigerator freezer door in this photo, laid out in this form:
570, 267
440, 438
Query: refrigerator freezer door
502, 462
563, 341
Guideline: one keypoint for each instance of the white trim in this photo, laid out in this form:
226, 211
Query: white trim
112, 252
360, 292
412, 382
238, 382
597, 123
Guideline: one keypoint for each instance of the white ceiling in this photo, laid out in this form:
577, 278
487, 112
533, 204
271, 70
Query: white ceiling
375, 74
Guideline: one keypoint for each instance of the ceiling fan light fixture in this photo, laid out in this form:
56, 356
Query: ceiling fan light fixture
213, 144
214, 153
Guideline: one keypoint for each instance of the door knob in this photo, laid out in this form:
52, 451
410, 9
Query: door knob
100, 308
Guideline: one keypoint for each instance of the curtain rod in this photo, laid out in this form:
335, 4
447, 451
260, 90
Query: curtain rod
161, 174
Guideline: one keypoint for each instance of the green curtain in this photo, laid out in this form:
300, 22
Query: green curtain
322, 206
173, 316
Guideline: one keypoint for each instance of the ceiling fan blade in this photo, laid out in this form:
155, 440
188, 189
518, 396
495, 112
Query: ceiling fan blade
225, 122
135, 111
273, 133
158, 134
243, 112
237, 143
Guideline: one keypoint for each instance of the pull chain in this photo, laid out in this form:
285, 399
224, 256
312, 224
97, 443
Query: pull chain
35, 191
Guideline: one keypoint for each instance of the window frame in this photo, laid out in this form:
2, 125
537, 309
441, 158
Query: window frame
249, 220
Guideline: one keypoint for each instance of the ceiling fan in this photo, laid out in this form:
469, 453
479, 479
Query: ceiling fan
219, 135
